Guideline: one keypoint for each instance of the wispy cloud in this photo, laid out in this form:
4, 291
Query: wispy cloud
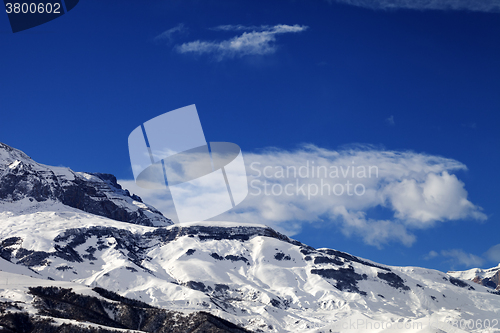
470, 125
390, 121
472, 5
415, 190
240, 27
431, 255
458, 257
493, 254
168, 35
254, 41
461, 258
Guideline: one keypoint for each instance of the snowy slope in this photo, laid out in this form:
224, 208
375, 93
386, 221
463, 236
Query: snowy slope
29, 304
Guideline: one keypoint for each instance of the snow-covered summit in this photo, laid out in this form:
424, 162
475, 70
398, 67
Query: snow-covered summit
95, 193
487, 277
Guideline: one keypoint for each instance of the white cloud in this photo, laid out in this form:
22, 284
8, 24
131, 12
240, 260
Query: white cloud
413, 190
459, 257
169, 34
472, 5
257, 41
439, 197
373, 232
239, 27
493, 254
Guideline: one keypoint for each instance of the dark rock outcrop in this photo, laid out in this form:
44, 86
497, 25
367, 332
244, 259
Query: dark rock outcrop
346, 278
112, 312
95, 193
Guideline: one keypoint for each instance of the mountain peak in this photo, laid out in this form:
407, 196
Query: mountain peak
9, 155
95, 193
486, 277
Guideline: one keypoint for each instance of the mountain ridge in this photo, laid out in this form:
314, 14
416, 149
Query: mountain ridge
486, 277
96, 193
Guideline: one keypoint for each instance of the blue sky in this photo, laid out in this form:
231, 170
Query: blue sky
333, 74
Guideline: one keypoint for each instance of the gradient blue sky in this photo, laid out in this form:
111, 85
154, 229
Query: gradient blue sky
73, 89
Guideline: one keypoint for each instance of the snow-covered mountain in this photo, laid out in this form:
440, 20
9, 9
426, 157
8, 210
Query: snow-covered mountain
35, 305
249, 275
487, 277
96, 193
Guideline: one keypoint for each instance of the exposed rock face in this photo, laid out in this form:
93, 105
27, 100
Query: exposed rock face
486, 277
490, 282
95, 193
